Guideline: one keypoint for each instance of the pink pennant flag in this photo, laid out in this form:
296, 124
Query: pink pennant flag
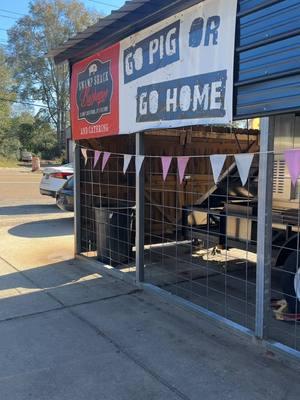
96, 157
292, 159
84, 153
105, 158
166, 162
182, 164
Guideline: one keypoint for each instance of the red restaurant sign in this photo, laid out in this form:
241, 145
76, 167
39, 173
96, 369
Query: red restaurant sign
95, 95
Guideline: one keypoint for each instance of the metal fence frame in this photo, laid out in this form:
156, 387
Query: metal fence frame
264, 227
264, 242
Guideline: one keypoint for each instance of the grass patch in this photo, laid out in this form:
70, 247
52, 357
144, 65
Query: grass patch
8, 163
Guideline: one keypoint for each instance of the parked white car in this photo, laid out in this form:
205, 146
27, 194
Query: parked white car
54, 178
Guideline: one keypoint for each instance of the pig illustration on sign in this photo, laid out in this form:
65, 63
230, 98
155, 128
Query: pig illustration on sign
93, 69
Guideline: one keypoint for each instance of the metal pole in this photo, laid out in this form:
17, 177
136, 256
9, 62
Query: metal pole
140, 211
264, 227
76, 165
77, 220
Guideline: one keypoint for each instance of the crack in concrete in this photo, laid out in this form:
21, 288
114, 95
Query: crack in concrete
130, 356
66, 307
118, 347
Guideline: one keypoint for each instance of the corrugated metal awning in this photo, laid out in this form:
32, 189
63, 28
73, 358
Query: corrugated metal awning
127, 20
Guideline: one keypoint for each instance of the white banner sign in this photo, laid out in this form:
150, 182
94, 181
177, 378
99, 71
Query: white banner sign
180, 71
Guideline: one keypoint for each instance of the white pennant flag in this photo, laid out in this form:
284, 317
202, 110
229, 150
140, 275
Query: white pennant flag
127, 159
84, 153
217, 163
138, 164
243, 163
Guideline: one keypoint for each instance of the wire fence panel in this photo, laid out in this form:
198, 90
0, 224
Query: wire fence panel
108, 212
200, 238
284, 323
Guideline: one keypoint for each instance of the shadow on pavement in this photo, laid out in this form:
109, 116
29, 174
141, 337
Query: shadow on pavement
28, 209
46, 287
49, 228
47, 276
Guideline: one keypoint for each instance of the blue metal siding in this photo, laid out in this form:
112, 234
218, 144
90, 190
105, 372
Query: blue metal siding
258, 63
267, 78
246, 6
281, 18
272, 97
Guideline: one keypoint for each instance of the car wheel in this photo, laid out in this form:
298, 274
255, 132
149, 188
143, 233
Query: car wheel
290, 282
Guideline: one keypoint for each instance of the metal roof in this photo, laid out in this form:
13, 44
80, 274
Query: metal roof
132, 17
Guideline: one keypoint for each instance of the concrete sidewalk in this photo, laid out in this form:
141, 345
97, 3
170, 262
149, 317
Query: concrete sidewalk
67, 332
76, 334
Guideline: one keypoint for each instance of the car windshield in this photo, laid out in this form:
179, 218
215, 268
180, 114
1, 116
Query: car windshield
70, 165
70, 183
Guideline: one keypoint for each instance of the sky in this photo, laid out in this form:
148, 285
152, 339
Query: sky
10, 11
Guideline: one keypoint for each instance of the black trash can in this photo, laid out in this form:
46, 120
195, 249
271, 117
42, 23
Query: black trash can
114, 230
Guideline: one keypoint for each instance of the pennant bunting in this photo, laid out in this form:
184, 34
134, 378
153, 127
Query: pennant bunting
105, 158
217, 163
84, 153
127, 159
96, 157
138, 164
243, 163
166, 162
182, 164
292, 159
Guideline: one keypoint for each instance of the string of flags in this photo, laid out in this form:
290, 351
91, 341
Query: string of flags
243, 162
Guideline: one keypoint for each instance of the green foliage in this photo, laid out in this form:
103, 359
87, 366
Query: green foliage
26, 70
44, 140
36, 135
5, 90
47, 26
28, 132
9, 145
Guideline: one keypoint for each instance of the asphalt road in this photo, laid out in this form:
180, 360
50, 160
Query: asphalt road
32, 227
20, 186
71, 332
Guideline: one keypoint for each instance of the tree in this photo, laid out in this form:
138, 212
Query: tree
9, 144
35, 135
44, 142
47, 26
